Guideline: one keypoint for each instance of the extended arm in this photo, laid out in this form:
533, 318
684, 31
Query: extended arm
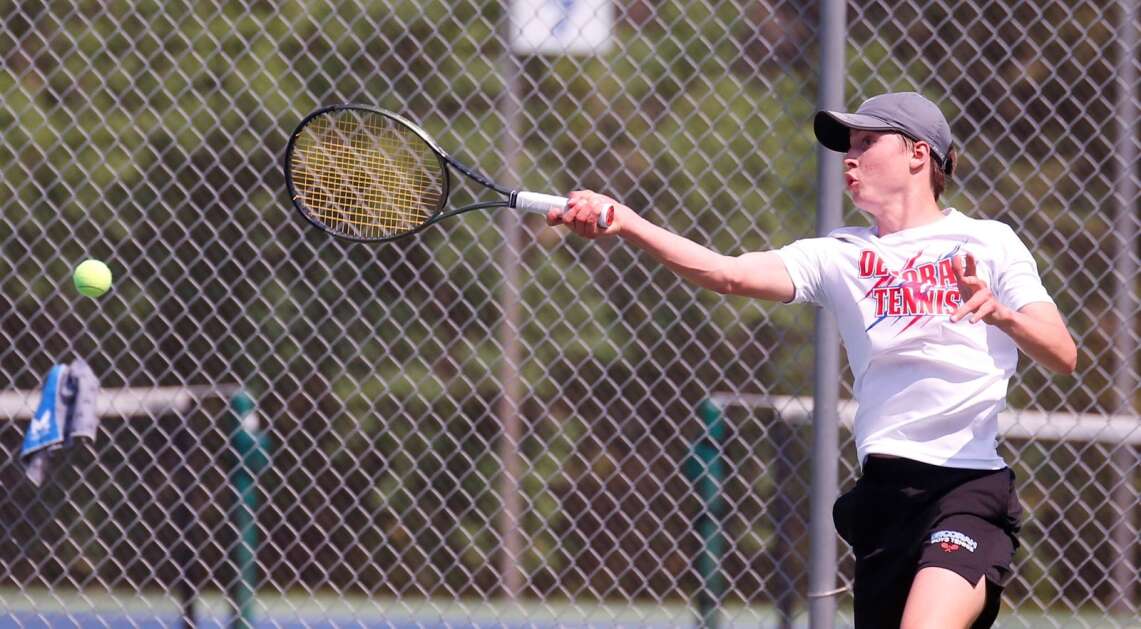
757, 274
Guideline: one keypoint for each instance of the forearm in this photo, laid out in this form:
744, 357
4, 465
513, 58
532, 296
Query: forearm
1040, 336
691, 261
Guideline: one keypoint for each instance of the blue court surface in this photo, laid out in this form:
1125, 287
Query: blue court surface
43, 609
155, 610
55, 620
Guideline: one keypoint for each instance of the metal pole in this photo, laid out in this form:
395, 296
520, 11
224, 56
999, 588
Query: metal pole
508, 408
1126, 381
783, 547
826, 449
185, 515
705, 468
250, 458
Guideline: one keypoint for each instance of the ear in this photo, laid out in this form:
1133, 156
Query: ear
920, 155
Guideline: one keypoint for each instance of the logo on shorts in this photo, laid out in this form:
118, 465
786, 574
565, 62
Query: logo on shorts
951, 541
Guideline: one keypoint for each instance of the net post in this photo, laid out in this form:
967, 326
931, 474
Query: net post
705, 468
250, 447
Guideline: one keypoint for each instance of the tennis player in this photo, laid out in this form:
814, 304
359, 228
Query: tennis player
933, 306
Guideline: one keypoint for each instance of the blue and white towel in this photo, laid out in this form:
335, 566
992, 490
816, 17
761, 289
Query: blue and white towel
66, 414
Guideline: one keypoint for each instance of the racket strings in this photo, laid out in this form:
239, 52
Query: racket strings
365, 175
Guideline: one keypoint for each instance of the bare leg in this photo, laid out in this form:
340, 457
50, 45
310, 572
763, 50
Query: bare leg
941, 599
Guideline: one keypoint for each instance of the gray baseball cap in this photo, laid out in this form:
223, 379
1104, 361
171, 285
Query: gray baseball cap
902, 112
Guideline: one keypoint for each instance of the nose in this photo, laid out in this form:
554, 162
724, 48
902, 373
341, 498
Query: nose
849, 163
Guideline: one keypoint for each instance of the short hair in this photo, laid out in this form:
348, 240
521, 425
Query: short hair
939, 173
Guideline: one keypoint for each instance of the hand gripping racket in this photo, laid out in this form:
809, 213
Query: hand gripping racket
370, 175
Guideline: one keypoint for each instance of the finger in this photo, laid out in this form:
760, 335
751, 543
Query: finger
581, 214
583, 226
572, 210
554, 216
965, 308
576, 199
984, 311
580, 219
970, 305
959, 313
979, 299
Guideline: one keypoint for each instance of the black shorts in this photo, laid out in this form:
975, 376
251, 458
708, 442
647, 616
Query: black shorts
903, 515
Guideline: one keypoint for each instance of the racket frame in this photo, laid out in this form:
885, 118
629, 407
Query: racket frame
512, 197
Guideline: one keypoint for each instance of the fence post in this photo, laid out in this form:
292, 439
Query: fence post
783, 547
705, 468
1126, 383
186, 484
250, 448
825, 446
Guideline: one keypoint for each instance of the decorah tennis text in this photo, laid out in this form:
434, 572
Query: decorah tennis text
925, 289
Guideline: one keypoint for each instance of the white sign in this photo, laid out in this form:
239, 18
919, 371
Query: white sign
561, 27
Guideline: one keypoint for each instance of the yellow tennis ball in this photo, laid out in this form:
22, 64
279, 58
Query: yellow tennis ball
92, 278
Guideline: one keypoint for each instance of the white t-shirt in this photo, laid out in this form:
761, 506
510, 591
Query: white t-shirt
926, 389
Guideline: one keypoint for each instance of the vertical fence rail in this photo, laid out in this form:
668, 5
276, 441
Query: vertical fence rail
487, 423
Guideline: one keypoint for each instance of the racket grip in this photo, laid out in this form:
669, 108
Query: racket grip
542, 203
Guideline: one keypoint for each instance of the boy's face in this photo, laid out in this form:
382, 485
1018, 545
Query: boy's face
877, 168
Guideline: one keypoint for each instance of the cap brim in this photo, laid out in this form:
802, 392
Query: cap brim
832, 127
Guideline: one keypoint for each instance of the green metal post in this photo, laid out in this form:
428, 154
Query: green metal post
705, 468
251, 447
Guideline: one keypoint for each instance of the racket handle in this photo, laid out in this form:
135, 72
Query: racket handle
542, 203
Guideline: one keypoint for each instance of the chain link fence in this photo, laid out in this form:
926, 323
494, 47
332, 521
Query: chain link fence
492, 423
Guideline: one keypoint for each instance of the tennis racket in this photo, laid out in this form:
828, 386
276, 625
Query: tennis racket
370, 175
